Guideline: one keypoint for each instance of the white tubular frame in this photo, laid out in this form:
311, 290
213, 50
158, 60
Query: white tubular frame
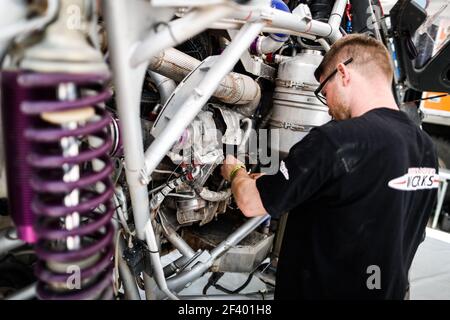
30, 25
139, 30
136, 38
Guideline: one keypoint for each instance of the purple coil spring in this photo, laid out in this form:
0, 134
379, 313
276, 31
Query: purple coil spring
18, 171
82, 270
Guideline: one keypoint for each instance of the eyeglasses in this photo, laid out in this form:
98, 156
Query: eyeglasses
318, 91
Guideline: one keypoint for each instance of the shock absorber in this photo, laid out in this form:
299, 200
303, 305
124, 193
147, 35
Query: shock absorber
57, 104
18, 171
71, 181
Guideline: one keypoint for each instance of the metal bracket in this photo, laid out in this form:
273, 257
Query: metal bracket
138, 257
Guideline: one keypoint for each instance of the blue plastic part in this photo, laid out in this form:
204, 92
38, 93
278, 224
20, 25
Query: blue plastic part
280, 5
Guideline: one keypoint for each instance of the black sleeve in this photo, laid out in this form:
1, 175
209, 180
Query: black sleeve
310, 164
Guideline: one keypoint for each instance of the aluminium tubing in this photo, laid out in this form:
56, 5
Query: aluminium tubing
178, 242
265, 44
26, 293
177, 282
152, 241
164, 84
234, 88
274, 41
156, 261
177, 31
128, 103
237, 24
297, 22
335, 19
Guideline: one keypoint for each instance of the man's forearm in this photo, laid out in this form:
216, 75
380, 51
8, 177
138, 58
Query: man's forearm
246, 195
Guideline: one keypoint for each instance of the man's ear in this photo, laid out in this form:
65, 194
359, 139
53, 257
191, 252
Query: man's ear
343, 74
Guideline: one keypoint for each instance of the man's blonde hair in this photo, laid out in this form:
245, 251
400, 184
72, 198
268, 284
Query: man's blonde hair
369, 55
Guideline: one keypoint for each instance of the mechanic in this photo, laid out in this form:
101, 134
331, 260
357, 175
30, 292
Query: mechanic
359, 190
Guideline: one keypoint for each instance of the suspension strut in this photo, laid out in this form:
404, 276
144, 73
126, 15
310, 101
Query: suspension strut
56, 108
70, 178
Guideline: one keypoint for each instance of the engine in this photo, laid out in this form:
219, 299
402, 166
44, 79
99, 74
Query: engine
125, 112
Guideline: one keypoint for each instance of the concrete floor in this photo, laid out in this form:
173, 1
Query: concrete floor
429, 274
430, 270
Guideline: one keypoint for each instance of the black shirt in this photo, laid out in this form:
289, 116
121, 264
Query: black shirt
359, 193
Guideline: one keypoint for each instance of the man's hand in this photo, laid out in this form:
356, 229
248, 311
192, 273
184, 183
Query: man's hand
229, 164
256, 176
244, 188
